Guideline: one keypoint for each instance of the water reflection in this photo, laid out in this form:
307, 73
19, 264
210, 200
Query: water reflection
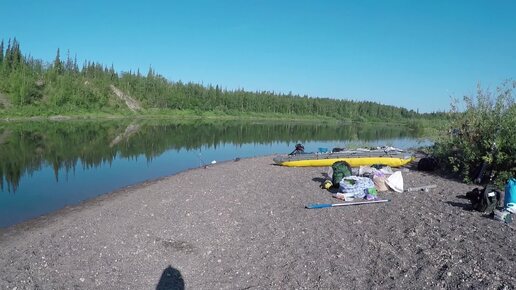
25, 147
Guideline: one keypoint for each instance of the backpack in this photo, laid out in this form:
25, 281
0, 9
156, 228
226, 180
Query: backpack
341, 169
298, 150
485, 199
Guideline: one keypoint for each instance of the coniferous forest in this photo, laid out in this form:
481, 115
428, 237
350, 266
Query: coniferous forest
32, 87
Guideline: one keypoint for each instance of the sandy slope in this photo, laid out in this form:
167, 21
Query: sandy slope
240, 225
131, 103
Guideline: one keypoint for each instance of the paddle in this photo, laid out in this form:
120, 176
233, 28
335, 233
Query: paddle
325, 205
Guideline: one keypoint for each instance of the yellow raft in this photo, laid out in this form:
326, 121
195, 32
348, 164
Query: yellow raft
353, 157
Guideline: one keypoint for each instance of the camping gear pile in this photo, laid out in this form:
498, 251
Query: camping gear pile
367, 181
488, 201
364, 184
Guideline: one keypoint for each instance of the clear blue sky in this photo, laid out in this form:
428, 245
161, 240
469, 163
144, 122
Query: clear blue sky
414, 54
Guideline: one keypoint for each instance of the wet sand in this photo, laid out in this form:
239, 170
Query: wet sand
240, 225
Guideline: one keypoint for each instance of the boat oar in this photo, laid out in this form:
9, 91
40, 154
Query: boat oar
325, 205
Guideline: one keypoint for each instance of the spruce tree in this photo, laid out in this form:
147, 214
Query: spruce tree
75, 65
69, 63
58, 65
1, 51
8, 57
16, 53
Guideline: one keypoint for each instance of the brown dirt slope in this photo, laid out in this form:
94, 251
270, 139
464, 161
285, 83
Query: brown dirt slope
131, 103
240, 225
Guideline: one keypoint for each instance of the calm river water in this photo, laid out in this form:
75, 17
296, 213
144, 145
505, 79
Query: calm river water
45, 166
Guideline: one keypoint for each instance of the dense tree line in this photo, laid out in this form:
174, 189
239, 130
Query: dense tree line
63, 86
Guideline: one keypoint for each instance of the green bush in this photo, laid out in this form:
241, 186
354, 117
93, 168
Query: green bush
484, 132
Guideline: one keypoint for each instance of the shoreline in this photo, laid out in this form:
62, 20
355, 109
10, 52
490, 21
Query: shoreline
173, 116
44, 219
243, 224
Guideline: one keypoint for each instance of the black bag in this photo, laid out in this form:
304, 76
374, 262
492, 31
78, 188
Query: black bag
337, 149
427, 164
485, 199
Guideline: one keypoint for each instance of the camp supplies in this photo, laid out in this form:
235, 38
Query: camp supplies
340, 169
485, 199
300, 149
356, 185
344, 196
395, 181
427, 164
322, 150
510, 192
503, 216
379, 183
327, 184
511, 207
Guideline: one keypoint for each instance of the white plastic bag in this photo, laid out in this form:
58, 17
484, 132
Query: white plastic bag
395, 181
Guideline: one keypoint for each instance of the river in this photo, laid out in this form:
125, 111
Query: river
45, 166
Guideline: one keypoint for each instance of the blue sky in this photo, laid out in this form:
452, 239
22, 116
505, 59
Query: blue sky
414, 54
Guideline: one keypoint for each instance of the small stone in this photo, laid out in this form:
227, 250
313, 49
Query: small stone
81, 279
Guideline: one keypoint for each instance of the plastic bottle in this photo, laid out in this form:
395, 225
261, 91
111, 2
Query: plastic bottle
510, 192
327, 184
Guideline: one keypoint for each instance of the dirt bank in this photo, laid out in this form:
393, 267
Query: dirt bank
243, 225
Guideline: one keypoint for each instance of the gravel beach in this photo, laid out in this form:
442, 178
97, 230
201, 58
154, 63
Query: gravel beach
243, 224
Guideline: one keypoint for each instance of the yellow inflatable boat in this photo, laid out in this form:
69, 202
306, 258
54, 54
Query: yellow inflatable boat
355, 158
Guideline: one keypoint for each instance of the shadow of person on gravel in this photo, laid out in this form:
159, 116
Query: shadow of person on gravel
171, 279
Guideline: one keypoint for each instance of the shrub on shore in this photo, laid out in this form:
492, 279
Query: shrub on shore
485, 132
